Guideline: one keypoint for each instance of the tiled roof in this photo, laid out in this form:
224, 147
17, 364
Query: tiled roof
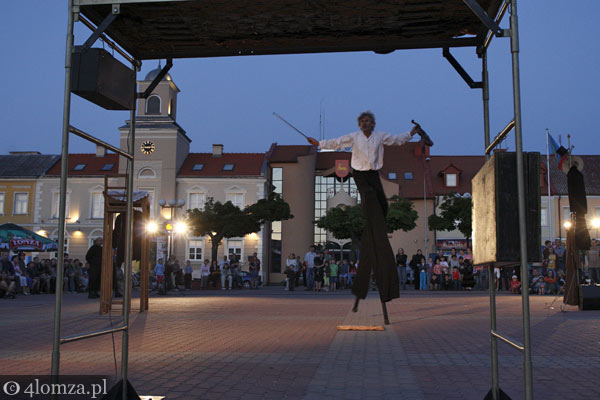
26, 166
283, 154
591, 176
244, 164
93, 165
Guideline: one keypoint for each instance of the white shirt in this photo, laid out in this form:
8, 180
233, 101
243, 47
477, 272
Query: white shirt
367, 153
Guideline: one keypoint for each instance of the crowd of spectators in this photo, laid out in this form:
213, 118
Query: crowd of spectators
18, 277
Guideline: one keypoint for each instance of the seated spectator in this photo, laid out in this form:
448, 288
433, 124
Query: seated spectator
550, 281
32, 280
435, 283
560, 281
226, 277
447, 282
515, 285
537, 282
8, 287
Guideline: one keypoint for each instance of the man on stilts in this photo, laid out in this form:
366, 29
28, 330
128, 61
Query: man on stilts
376, 254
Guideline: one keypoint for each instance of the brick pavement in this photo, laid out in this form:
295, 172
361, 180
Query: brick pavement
271, 344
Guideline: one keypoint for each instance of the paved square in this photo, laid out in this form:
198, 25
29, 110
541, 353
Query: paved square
273, 344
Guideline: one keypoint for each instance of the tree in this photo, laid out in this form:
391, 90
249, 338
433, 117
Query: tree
401, 215
455, 214
345, 222
218, 221
273, 208
225, 220
348, 222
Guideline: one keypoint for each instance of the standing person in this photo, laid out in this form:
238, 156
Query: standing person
401, 260
204, 274
351, 274
319, 273
333, 275
559, 250
416, 263
376, 254
309, 259
94, 258
343, 273
290, 263
159, 271
290, 272
253, 267
187, 275
467, 279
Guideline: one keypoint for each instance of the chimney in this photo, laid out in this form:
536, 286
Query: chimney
100, 151
217, 150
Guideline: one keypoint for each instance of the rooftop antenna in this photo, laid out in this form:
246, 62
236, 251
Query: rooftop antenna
321, 121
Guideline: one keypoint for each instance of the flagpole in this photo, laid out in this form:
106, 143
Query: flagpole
550, 214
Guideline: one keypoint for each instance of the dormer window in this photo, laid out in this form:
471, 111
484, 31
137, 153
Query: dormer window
408, 176
451, 180
228, 167
79, 167
107, 167
392, 176
198, 167
451, 175
153, 105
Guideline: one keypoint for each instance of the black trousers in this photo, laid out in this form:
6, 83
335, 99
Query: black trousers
376, 254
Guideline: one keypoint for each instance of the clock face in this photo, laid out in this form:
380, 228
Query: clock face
148, 147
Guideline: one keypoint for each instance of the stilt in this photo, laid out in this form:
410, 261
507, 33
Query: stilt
386, 320
355, 308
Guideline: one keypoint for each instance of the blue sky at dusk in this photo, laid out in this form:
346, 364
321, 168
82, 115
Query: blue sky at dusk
232, 100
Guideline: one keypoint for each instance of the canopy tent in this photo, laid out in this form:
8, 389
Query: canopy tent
16, 238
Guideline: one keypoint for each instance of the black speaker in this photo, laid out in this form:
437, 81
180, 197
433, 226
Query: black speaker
100, 78
589, 297
496, 211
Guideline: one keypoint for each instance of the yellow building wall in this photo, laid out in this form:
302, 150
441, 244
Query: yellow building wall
7, 213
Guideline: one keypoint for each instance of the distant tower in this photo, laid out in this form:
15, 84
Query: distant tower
161, 145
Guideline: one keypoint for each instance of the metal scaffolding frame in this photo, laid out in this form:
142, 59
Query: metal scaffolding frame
102, 30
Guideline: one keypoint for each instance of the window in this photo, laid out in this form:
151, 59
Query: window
196, 200
146, 173
153, 105
276, 245
544, 216
236, 198
79, 167
21, 203
234, 247
55, 238
277, 180
566, 213
97, 211
195, 249
107, 167
325, 185
56, 204
1, 203
392, 176
408, 176
198, 167
228, 167
451, 180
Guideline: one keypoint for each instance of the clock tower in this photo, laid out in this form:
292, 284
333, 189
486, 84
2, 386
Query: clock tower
161, 145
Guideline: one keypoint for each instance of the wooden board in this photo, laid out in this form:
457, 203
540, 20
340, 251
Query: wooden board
360, 328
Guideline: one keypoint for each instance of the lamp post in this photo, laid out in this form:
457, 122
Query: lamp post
172, 226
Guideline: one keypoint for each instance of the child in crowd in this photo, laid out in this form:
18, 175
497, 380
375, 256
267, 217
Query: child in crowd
515, 285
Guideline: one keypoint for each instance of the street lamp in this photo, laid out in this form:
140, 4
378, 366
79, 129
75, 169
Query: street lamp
172, 226
567, 224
